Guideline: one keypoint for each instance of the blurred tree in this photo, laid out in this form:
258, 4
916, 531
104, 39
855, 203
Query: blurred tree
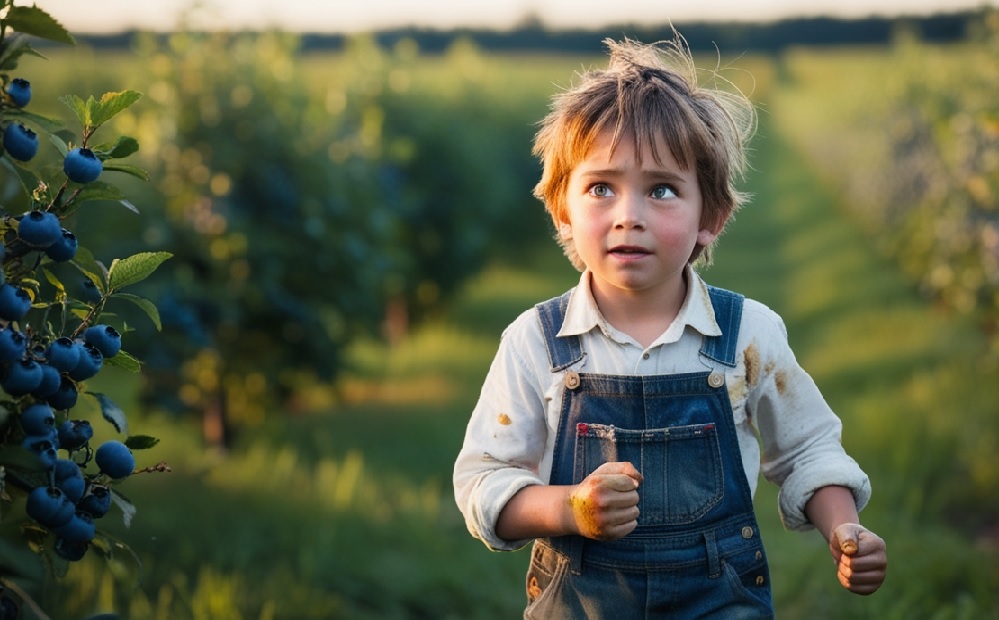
303, 214
941, 211
282, 236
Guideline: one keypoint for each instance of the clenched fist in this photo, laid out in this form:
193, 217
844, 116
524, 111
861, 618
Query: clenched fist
605, 504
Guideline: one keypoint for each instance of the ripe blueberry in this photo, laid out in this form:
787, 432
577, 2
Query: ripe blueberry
23, 377
20, 142
90, 293
49, 506
79, 529
90, 363
97, 501
19, 92
63, 354
39, 229
82, 166
44, 448
49, 383
105, 338
115, 459
37, 419
65, 397
14, 302
69, 479
12, 344
64, 249
69, 550
74, 434
9, 609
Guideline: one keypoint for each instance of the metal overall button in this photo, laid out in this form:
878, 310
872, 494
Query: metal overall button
747, 532
716, 379
571, 380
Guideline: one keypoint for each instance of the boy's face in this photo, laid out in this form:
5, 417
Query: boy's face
635, 226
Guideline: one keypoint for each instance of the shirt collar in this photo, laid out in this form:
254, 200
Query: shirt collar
582, 314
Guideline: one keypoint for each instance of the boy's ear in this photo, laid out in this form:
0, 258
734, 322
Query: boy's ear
710, 230
716, 225
565, 231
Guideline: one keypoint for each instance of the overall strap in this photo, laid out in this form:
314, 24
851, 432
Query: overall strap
562, 352
728, 315
566, 351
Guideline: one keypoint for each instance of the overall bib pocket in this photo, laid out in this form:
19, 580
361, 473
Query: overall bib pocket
681, 465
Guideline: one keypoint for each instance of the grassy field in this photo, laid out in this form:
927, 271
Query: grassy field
344, 509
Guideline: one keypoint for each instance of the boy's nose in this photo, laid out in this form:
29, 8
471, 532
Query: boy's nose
630, 213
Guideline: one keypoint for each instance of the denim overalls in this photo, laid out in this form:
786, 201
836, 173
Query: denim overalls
696, 551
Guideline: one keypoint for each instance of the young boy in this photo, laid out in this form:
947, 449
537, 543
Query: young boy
620, 426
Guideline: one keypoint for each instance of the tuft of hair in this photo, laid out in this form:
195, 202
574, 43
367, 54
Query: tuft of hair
649, 93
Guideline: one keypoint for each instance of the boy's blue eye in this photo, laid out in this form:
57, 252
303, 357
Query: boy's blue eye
600, 190
663, 191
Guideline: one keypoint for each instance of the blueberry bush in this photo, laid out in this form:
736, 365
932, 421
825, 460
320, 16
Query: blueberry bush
59, 327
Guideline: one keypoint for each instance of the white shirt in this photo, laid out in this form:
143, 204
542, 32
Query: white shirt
786, 431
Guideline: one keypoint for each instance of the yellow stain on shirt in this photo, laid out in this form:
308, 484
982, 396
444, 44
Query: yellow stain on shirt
751, 357
504, 419
781, 380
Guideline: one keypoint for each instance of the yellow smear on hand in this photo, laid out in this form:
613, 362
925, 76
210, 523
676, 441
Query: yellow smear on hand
583, 515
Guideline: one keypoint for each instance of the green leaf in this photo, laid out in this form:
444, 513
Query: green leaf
27, 178
99, 190
127, 507
111, 104
13, 50
128, 271
59, 144
127, 169
141, 442
60, 296
125, 146
128, 205
48, 124
124, 361
111, 412
148, 306
90, 267
34, 21
79, 107
121, 560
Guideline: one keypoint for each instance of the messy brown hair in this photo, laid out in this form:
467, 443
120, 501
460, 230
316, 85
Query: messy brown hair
648, 93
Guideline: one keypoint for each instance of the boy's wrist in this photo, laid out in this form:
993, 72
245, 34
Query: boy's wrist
570, 507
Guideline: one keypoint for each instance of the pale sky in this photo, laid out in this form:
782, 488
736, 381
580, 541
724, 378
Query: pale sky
80, 16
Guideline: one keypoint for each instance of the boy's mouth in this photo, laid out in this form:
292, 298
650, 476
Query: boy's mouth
629, 250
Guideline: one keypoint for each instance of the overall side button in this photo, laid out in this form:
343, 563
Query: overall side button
716, 379
571, 380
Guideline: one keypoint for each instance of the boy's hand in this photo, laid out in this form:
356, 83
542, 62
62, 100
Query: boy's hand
604, 505
861, 557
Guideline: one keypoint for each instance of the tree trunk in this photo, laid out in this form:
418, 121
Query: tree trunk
215, 428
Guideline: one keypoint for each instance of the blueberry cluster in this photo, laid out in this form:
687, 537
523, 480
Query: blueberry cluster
69, 501
43, 378
51, 373
81, 164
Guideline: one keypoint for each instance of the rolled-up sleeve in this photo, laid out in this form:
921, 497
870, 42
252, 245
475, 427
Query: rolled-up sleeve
800, 435
505, 438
